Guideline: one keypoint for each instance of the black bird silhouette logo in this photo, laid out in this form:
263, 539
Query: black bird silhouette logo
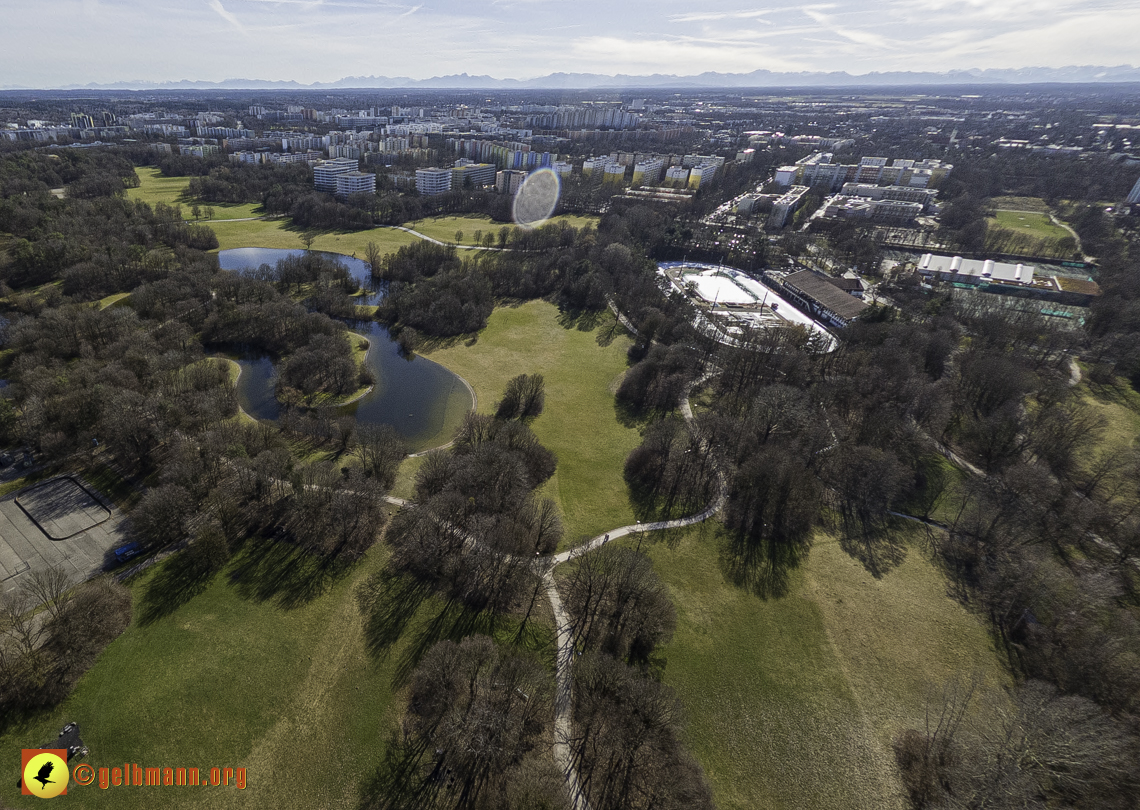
45, 772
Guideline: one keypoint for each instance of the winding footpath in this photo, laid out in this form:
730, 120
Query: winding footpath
564, 626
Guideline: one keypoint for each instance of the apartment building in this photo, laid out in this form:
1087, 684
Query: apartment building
325, 174
648, 172
509, 180
476, 175
433, 181
818, 170
355, 183
785, 206
701, 175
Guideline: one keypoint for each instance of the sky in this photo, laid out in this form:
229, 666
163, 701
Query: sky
54, 43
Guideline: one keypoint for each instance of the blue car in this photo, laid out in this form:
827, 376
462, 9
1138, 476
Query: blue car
124, 553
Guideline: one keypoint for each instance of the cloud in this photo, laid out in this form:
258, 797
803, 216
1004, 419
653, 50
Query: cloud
708, 16
217, 6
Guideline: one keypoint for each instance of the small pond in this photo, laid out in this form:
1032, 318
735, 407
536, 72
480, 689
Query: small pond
417, 397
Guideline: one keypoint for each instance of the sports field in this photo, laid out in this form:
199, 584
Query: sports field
792, 700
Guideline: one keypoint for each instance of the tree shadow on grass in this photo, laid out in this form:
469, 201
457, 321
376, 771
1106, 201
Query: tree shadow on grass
760, 566
399, 781
879, 549
279, 571
453, 622
183, 577
389, 603
584, 320
630, 416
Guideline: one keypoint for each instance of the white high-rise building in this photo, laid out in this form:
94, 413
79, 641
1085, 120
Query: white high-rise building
433, 181
355, 183
325, 174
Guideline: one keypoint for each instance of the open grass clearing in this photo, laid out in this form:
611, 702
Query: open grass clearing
791, 701
444, 228
281, 233
113, 300
249, 670
1033, 224
154, 188
1118, 404
579, 361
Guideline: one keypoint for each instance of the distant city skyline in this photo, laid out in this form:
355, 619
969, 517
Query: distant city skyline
78, 42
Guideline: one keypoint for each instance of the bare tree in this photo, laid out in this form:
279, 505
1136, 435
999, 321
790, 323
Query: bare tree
627, 741
620, 606
481, 711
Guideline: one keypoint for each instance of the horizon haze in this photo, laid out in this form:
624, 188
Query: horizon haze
126, 43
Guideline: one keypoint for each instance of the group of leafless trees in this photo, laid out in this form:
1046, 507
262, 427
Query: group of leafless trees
477, 727
1042, 543
476, 732
51, 632
477, 524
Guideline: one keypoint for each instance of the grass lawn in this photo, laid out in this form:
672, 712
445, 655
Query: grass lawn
280, 233
154, 188
1119, 405
115, 299
444, 228
230, 681
1029, 223
579, 424
792, 701
232, 678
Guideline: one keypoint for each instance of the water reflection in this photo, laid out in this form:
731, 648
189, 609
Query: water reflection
412, 396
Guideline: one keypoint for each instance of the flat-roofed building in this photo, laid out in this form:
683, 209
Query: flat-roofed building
355, 183
614, 173
325, 174
926, 196
785, 206
975, 271
677, 175
648, 172
786, 175
432, 181
700, 175
478, 174
509, 180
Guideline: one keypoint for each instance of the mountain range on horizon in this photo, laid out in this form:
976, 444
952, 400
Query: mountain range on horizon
1076, 74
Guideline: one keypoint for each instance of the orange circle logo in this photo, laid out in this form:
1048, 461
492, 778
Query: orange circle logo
45, 775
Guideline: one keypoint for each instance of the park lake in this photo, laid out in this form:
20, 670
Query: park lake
422, 400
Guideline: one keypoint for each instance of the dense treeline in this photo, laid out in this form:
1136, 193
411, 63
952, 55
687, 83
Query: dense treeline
628, 745
127, 394
478, 713
475, 734
477, 523
1042, 542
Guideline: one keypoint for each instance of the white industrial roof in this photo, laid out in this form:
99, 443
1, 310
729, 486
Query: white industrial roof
988, 270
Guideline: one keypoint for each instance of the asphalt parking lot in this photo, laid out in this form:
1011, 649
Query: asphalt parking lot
56, 523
